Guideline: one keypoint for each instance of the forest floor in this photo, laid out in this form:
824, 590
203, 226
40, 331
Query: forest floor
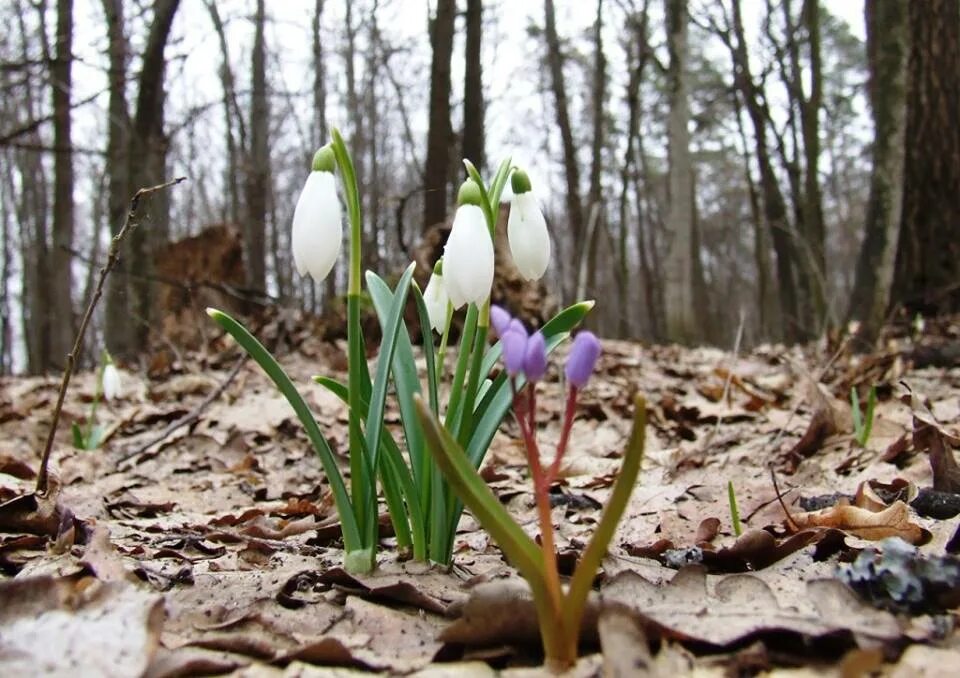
211, 547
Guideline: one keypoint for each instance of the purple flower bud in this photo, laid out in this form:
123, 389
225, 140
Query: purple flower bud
514, 344
500, 319
582, 359
535, 359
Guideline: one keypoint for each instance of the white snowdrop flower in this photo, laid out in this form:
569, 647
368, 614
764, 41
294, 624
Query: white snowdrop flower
110, 381
318, 220
435, 298
468, 254
527, 230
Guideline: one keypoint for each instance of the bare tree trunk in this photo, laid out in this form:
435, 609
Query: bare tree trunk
575, 212
473, 125
117, 313
636, 62
599, 93
62, 325
775, 209
32, 210
440, 133
927, 278
887, 55
232, 117
257, 165
681, 318
147, 167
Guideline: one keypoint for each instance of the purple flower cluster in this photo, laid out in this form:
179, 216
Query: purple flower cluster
527, 353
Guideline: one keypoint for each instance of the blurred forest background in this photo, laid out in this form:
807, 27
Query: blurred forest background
698, 161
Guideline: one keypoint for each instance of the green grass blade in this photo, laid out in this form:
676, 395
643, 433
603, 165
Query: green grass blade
351, 532
734, 510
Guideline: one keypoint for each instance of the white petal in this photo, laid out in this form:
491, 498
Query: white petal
110, 382
435, 299
468, 258
529, 239
317, 226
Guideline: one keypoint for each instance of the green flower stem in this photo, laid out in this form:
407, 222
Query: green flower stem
582, 583
363, 475
465, 429
453, 416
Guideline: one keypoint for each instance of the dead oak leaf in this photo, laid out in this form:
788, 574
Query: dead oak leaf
744, 605
893, 521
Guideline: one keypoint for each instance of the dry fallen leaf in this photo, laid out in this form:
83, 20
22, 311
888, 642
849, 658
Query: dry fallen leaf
57, 626
893, 521
744, 605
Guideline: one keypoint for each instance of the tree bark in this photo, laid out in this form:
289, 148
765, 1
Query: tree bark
147, 157
473, 106
117, 314
927, 277
61, 310
887, 56
575, 213
774, 205
440, 133
594, 197
257, 165
681, 317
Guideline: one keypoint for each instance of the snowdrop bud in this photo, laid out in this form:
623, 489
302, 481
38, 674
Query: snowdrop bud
468, 254
317, 220
435, 298
110, 381
582, 359
527, 230
500, 319
514, 343
535, 358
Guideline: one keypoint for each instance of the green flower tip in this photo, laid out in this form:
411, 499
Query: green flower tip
324, 160
438, 267
469, 193
519, 182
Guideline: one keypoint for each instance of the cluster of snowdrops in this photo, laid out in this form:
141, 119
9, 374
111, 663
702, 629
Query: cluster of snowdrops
427, 472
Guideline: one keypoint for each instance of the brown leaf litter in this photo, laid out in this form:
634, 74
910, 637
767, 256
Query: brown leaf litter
202, 539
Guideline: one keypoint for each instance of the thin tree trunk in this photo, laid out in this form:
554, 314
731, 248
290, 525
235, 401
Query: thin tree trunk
887, 56
681, 318
473, 107
440, 132
117, 314
257, 165
62, 324
775, 209
147, 167
575, 212
594, 199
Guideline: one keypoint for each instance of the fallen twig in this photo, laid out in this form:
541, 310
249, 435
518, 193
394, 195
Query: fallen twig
113, 255
191, 416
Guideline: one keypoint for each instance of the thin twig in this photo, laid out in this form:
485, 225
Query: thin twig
190, 417
113, 255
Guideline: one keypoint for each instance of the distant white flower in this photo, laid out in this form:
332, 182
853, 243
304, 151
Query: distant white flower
318, 221
436, 300
527, 230
110, 381
468, 254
